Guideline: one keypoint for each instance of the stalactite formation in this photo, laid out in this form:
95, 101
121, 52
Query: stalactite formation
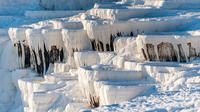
61, 53
47, 58
112, 38
94, 101
19, 49
98, 45
143, 52
54, 54
181, 53
101, 46
107, 47
74, 50
40, 60
27, 54
35, 59
166, 52
192, 51
40, 67
93, 44
151, 52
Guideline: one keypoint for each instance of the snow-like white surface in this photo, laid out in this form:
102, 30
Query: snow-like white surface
89, 58
183, 100
50, 14
7, 49
55, 89
88, 75
61, 67
117, 92
75, 40
101, 31
85, 76
176, 90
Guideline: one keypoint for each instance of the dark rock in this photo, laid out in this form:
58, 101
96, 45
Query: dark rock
46, 57
131, 34
192, 51
101, 46
119, 34
94, 101
112, 38
93, 44
145, 57
35, 59
107, 47
19, 48
40, 68
54, 54
181, 53
27, 55
61, 55
166, 52
151, 52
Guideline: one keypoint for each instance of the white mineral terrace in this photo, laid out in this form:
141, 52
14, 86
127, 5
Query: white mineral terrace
99, 55
185, 46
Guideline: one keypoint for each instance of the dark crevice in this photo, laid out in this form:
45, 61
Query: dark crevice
61, 55
27, 55
145, 57
46, 56
151, 52
40, 68
181, 53
192, 51
94, 101
32, 58
54, 54
35, 58
93, 44
131, 34
112, 38
119, 34
107, 47
19, 47
101, 46
166, 52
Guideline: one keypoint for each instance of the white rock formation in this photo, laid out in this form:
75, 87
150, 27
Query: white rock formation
65, 42
88, 75
168, 48
89, 58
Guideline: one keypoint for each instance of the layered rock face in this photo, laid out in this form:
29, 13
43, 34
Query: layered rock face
34, 50
42, 44
168, 48
102, 50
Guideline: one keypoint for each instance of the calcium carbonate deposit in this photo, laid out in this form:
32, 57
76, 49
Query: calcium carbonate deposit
99, 56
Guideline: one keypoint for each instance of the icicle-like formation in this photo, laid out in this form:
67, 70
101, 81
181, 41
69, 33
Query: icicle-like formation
37, 47
102, 33
119, 14
74, 41
168, 47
